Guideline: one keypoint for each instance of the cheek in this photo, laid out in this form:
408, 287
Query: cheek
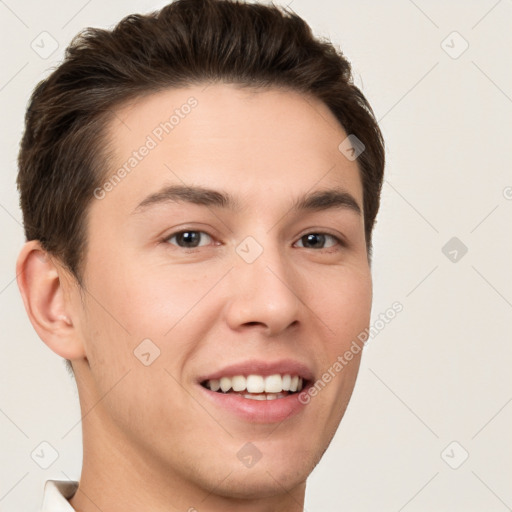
134, 299
129, 304
347, 307
343, 306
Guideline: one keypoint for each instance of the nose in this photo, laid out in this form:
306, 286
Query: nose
262, 294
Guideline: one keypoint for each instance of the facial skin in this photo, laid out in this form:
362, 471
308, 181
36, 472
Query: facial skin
153, 439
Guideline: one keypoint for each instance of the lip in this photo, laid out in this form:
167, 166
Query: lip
259, 411
263, 368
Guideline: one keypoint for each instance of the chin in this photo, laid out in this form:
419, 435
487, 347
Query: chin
259, 483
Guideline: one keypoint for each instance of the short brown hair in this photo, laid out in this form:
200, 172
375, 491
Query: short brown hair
62, 159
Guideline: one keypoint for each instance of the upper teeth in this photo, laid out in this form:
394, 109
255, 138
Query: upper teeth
257, 383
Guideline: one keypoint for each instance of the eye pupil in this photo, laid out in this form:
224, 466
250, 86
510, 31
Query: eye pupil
315, 237
189, 237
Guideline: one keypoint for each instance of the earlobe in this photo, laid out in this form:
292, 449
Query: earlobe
41, 284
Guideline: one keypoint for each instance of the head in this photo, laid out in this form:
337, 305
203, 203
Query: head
192, 207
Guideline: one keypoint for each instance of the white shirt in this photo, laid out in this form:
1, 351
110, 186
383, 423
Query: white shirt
56, 494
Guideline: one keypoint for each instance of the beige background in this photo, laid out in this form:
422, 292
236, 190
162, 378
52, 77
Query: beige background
440, 371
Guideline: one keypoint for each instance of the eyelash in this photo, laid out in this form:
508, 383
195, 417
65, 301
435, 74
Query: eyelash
339, 242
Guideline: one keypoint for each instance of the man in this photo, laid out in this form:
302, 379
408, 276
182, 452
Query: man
199, 188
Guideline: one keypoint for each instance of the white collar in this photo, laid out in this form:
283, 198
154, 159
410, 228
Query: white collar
56, 493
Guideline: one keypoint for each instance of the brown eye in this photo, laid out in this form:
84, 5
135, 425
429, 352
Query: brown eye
318, 240
188, 239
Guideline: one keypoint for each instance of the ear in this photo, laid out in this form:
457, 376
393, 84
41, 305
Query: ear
45, 289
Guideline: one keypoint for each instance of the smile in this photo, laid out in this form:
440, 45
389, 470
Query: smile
257, 387
258, 391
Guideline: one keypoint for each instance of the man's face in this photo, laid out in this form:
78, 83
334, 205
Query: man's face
221, 291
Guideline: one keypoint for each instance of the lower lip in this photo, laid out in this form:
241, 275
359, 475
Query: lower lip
257, 411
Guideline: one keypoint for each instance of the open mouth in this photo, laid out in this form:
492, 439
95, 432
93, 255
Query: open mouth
258, 387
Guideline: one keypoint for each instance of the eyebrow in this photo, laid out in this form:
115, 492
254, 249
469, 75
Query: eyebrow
333, 198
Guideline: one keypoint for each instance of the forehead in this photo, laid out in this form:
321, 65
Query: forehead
275, 141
